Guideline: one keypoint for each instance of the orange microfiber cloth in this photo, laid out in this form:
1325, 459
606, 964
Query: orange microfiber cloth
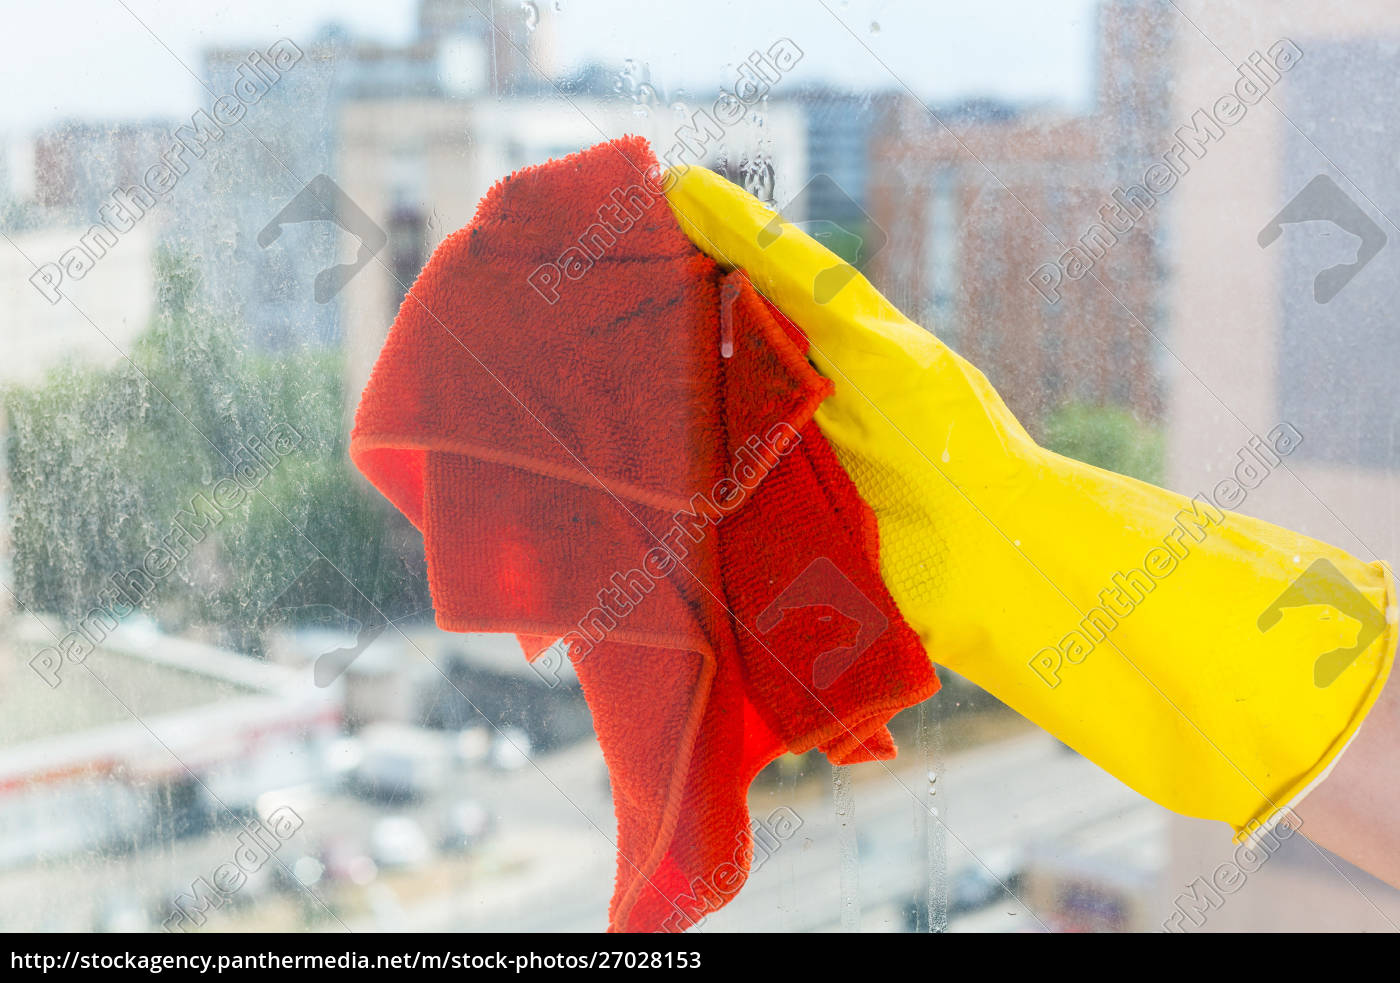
554, 412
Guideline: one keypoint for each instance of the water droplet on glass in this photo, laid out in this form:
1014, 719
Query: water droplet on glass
644, 97
758, 177
531, 13
848, 848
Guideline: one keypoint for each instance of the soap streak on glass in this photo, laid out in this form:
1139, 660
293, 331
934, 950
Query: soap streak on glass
932, 916
843, 794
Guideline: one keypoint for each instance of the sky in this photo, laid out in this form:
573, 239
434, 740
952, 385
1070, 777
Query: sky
94, 59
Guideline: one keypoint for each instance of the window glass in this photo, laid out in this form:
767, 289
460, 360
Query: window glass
1158, 228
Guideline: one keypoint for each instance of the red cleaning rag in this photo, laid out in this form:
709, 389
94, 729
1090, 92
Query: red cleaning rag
553, 411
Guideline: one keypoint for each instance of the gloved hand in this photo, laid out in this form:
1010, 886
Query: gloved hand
1145, 630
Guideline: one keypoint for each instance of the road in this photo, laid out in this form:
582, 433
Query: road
549, 864
994, 800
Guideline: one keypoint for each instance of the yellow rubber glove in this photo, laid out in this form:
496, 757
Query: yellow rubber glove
1214, 662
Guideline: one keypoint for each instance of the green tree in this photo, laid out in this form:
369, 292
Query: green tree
101, 460
1108, 437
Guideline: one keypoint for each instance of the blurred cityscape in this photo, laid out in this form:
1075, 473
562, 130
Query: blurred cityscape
246, 707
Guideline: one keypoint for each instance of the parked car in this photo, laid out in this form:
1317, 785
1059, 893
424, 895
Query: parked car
119, 913
467, 823
511, 749
974, 886
346, 862
472, 746
399, 842
402, 763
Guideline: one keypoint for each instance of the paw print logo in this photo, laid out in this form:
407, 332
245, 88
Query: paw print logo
322, 200
828, 214
1323, 201
1322, 583
322, 596
839, 608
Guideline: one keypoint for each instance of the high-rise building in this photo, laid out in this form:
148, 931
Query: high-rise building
988, 207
